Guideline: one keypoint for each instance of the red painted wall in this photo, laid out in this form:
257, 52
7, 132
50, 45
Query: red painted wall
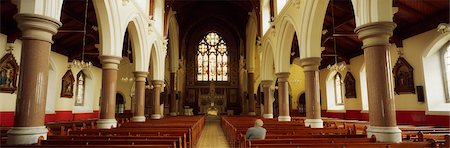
403, 117
7, 118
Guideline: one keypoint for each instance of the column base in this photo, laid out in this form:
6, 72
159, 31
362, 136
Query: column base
268, 115
173, 114
385, 134
26, 135
284, 118
314, 123
106, 123
156, 116
138, 119
252, 113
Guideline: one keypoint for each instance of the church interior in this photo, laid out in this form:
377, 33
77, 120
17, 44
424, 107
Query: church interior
198, 73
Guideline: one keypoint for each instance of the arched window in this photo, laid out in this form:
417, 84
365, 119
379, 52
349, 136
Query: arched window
445, 56
338, 89
212, 59
79, 97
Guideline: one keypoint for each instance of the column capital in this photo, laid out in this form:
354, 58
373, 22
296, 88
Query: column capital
157, 83
110, 62
37, 27
266, 83
282, 76
310, 64
376, 33
140, 75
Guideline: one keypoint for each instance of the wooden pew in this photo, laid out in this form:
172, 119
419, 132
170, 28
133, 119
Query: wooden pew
181, 141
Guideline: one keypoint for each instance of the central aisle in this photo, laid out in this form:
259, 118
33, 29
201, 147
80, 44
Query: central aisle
212, 134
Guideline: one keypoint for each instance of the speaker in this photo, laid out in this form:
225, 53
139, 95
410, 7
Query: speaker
420, 95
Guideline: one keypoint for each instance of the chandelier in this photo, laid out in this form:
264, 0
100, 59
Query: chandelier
77, 63
335, 66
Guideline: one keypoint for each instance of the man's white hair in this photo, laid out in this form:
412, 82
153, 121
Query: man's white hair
259, 122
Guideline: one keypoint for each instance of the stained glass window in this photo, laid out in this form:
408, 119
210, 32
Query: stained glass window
446, 66
338, 89
79, 98
212, 59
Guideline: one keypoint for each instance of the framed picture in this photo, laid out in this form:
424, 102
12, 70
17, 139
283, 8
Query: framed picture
67, 84
403, 77
350, 89
9, 70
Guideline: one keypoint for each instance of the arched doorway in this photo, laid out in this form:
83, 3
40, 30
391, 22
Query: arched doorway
120, 104
302, 104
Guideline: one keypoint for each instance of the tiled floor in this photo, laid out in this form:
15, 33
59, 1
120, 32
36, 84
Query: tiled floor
212, 135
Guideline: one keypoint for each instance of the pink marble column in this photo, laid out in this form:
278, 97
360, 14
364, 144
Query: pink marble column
110, 66
312, 93
37, 33
283, 96
251, 95
139, 95
173, 98
383, 124
157, 84
268, 99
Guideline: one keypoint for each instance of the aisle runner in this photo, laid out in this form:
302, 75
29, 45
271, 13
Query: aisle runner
212, 135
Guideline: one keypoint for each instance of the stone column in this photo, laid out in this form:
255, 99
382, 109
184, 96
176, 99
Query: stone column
383, 124
251, 95
110, 66
312, 93
139, 93
37, 32
157, 84
268, 99
173, 98
283, 96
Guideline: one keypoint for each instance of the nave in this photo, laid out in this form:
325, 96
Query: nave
211, 131
95, 65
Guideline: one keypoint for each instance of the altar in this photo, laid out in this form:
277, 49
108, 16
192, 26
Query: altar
212, 103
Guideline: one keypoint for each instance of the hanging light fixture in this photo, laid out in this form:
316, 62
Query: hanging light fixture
77, 63
335, 66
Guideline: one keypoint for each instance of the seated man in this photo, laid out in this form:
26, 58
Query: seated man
257, 131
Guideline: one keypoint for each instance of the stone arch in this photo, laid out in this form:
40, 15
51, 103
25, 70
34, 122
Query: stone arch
157, 55
110, 38
267, 61
284, 43
251, 42
311, 33
173, 36
136, 29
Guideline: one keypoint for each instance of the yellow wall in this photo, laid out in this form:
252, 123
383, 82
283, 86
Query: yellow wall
297, 83
413, 49
124, 87
8, 101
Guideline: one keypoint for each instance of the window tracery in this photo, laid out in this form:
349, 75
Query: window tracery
212, 59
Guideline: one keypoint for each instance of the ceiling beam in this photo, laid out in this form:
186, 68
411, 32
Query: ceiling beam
429, 23
408, 9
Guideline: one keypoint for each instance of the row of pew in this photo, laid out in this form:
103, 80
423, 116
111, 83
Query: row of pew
168, 132
336, 133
